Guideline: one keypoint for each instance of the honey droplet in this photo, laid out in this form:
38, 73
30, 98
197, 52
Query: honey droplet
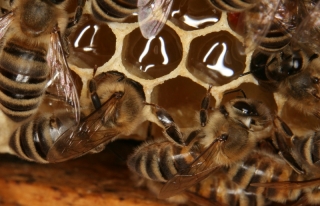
152, 58
91, 43
216, 58
182, 98
194, 14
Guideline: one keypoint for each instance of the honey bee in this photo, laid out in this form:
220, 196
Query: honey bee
120, 113
292, 73
268, 25
33, 64
113, 11
231, 185
152, 14
227, 134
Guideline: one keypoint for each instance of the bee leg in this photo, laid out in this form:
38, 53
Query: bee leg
78, 13
205, 107
282, 141
92, 86
171, 129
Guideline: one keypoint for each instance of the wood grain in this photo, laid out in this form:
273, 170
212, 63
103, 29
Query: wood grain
98, 179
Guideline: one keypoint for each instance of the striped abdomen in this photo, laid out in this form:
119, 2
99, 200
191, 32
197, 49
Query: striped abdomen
159, 161
219, 189
23, 77
261, 167
234, 5
113, 10
32, 140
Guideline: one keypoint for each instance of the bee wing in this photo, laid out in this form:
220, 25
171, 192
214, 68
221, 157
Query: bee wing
258, 21
198, 170
5, 21
289, 185
152, 16
61, 83
308, 30
82, 138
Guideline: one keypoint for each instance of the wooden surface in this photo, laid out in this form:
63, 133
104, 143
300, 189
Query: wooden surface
98, 179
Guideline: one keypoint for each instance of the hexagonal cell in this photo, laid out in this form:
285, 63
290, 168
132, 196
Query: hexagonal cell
92, 43
194, 14
253, 91
181, 97
216, 58
153, 58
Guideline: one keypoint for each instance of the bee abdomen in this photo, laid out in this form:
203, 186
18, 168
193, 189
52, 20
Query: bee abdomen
275, 40
113, 10
233, 5
154, 161
220, 189
262, 168
32, 140
23, 78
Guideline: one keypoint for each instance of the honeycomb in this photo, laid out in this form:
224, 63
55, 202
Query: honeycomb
175, 68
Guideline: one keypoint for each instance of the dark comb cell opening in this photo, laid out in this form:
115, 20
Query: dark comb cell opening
216, 58
182, 98
91, 43
194, 14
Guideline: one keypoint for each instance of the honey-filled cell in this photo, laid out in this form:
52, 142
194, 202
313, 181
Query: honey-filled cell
194, 14
151, 58
181, 97
216, 58
91, 43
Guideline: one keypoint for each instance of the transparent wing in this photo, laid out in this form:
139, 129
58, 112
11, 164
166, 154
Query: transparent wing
89, 134
152, 16
198, 170
5, 21
289, 185
308, 31
61, 83
258, 21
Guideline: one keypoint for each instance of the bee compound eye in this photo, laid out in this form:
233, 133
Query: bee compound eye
245, 108
315, 80
223, 137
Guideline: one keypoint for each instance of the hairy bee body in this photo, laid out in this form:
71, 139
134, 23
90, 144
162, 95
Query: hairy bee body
292, 73
23, 65
115, 11
117, 104
35, 77
269, 25
231, 185
230, 134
